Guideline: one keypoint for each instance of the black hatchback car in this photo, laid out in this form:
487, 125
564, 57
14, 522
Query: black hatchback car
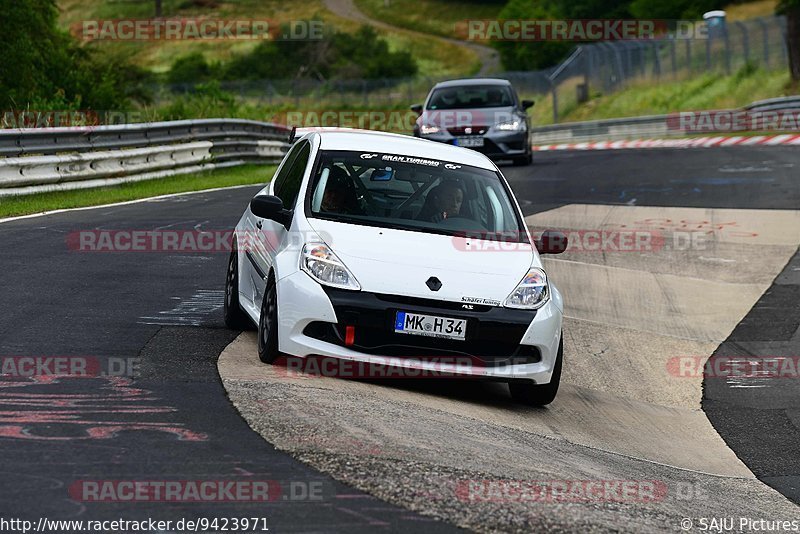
484, 114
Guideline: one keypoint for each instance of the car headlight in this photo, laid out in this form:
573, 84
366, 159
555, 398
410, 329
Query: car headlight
319, 261
531, 293
514, 125
427, 129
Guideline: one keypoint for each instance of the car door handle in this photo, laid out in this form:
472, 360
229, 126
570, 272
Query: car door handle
259, 224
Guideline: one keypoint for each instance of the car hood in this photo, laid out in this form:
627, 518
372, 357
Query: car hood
400, 262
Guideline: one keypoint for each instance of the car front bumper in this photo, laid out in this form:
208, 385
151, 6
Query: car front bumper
496, 145
502, 344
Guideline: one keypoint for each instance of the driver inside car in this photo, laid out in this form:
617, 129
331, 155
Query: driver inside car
442, 202
340, 196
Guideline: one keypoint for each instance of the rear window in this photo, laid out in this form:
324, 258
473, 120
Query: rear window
471, 97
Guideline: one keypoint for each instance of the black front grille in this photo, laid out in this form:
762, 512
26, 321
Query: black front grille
474, 130
441, 304
493, 333
381, 342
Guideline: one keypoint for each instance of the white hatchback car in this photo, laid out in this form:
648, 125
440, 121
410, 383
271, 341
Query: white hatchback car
389, 250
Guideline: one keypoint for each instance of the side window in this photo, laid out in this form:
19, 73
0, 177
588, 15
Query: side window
280, 176
289, 185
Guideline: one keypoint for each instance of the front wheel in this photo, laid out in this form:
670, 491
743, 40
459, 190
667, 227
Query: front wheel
539, 394
268, 326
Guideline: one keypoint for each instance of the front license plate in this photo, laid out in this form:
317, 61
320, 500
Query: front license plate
474, 141
430, 325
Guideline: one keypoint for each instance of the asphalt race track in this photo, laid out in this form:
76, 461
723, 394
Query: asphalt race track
396, 455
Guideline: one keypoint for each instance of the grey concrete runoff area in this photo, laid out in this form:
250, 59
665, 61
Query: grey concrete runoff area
624, 413
638, 440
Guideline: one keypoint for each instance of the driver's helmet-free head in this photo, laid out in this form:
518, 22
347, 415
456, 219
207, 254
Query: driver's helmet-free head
443, 201
340, 195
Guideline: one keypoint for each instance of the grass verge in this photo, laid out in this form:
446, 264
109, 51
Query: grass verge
437, 17
434, 57
39, 202
653, 97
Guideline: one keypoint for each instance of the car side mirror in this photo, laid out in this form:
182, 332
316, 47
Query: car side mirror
528, 104
552, 242
271, 207
417, 108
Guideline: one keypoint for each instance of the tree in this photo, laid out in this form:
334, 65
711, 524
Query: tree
158, 9
45, 68
791, 8
531, 55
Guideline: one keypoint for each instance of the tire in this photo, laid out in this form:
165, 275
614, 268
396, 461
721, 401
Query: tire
539, 394
268, 325
235, 317
523, 160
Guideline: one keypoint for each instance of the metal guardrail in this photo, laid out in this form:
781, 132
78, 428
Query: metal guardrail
49, 159
785, 103
652, 126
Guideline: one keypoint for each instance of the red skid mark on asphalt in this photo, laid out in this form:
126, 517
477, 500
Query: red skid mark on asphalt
99, 414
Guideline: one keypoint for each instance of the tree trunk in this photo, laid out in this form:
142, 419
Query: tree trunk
158, 9
793, 40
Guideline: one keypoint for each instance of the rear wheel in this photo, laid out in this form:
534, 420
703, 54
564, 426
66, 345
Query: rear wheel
268, 325
235, 317
539, 394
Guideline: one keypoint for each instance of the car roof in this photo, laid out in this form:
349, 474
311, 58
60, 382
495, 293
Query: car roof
404, 145
472, 81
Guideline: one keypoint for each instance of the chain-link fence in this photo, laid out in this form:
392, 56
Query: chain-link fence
609, 66
384, 93
602, 67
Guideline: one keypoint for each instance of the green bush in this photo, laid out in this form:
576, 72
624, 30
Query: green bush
43, 67
530, 55
191, 68
206, 100
336, 55
672, 9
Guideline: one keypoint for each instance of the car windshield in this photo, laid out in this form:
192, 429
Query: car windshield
471, 97
410, 193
